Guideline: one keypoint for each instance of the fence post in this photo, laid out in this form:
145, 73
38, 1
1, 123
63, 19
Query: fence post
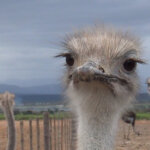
22, 135
65, 122
50, 132
73, 133
69, 133
46, 132
30, 130
55, 133
38, 133
59, 133
66, 126
62, 133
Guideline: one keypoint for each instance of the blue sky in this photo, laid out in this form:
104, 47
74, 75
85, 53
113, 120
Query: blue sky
30, 33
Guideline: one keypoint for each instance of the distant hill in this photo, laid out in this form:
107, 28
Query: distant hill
143, 98
54, 99
43, 89
47, 94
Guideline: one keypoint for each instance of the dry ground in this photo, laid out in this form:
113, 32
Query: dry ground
135, 142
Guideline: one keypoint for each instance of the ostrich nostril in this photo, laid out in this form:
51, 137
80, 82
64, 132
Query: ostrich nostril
101, 69
70, 76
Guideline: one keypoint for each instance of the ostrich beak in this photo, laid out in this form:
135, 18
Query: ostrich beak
90, 72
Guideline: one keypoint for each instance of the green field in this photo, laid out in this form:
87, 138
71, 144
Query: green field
140, 116
22, 116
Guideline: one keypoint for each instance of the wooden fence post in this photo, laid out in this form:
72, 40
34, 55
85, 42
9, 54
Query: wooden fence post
65, 134
38, 133
46, 132
62, 133
22, 135
69, 133
30, 131
66, 127
73, 134
50, 132
55, 134
59, 134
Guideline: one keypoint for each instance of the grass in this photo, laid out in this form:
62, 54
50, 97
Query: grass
143, 116
22, 116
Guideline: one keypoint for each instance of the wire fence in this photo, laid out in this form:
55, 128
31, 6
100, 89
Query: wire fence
41, 134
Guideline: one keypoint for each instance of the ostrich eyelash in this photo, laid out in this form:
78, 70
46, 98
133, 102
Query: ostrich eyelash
69, 53
63, 55
138, 60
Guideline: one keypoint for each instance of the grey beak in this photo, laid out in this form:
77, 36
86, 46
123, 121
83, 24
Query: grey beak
90, 71
85, 72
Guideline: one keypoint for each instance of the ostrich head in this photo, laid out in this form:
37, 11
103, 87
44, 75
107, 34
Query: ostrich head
148, 85
102, 61
7, 99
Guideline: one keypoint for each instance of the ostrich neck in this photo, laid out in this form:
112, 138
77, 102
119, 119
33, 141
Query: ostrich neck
97, 117
97, 133
11, 126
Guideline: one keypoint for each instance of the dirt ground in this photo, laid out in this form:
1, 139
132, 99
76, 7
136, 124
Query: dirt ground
133, 142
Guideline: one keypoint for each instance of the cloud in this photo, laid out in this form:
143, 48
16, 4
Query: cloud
31, 30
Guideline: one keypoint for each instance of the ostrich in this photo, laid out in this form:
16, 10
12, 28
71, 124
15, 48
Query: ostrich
148, 85
101, 81
130, 117
7, 103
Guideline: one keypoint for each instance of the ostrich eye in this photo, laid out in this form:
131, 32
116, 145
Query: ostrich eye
69, 60
129, 65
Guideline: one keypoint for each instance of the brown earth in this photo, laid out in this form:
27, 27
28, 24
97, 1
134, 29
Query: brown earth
134, 142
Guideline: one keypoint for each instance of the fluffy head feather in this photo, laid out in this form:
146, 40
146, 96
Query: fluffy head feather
101, 41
